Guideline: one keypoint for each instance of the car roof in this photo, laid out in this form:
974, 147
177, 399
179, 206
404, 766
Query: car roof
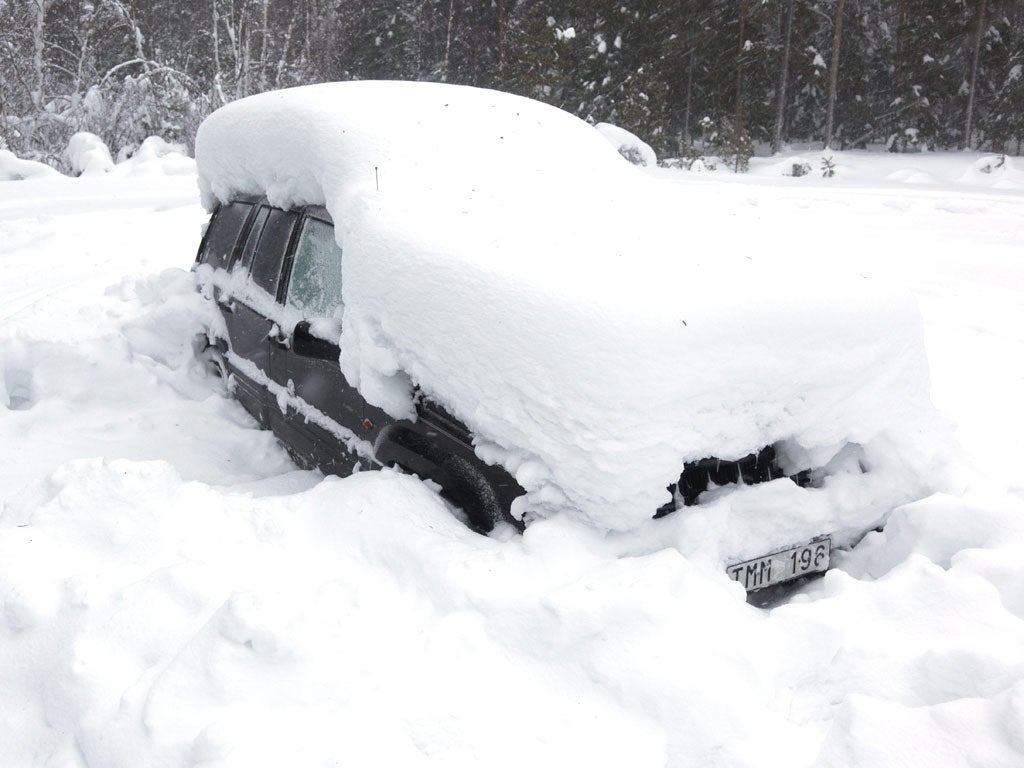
326, 143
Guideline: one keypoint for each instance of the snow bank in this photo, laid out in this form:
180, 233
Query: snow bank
358, 622
628, 145
500, 255
999, 171
156, 156
889, 170
174, 593
13, 168
88, 155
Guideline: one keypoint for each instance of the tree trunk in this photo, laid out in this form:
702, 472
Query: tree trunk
218, 88
833, 75
264, 43
137, 38
687, 111
501, 39
283, 59
4, 137
780, 111
448, 41
739, 63
966, 142
38, 25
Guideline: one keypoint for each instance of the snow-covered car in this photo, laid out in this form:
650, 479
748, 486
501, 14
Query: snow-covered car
475, 287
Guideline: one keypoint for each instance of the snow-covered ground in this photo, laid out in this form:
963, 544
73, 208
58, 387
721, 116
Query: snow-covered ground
175, 593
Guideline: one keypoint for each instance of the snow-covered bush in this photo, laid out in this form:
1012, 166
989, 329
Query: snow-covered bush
907, 140
155, 155
800, 167
126, 111
630, 146
13, 168
88, 155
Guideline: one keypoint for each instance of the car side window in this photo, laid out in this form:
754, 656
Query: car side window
224, 230
315, 286
273, 243
255, 231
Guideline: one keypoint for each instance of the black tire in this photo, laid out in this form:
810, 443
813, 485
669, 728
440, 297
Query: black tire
469, 490
462, 479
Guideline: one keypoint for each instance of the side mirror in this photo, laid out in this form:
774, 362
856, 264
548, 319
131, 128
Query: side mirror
305, 344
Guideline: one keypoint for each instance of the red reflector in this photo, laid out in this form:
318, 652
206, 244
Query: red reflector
367, 424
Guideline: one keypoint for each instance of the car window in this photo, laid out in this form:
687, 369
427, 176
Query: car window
245, 259
224, 229
266, 265
315, 287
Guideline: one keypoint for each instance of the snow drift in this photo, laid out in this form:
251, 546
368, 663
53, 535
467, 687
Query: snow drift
13, 168
630, 146
500, 255
173, 592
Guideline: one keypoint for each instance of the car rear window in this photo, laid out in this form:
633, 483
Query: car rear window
224, 229
315, 286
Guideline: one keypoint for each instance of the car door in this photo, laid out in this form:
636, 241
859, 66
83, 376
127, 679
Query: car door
322, 420
250, 304
222, 235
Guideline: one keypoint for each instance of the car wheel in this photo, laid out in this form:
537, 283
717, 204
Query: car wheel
468, 489
461, 480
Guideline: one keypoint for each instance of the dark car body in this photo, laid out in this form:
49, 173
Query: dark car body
289, 378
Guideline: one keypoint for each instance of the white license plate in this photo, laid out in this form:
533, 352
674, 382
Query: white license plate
782, 566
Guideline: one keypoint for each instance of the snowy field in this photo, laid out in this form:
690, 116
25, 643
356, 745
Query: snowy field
175, 593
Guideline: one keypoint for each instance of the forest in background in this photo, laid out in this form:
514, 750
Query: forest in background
905, 74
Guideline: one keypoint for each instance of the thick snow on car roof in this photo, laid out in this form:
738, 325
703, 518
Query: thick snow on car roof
307, 145
501, 256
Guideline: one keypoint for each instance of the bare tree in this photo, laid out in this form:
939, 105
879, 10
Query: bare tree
502, 26
448, 40
286, 46
739, 62
39, 9
978, 35
688, 108
833, 74
780, 108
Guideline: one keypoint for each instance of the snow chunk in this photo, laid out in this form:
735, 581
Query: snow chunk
88, 155
628, 145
